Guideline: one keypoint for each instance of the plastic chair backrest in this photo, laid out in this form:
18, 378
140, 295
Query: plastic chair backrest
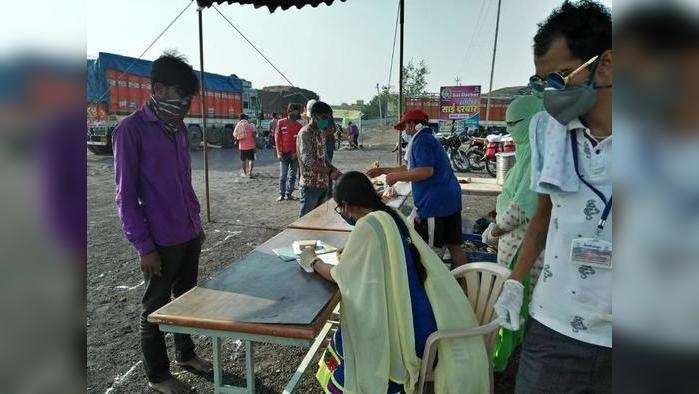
482, 283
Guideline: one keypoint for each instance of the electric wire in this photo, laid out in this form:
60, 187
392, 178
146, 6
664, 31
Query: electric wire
393, 49
254, 47
475, 32
133, 62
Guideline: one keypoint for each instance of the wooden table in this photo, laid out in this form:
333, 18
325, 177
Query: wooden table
325, 218
208, 312
479, 186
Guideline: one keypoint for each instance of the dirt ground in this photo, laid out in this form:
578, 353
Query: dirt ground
244, 214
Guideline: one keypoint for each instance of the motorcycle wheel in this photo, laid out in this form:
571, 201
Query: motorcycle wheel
490, 167
474, 156
459, 161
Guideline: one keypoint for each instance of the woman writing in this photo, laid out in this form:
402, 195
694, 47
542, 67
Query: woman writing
516, 205
395, 292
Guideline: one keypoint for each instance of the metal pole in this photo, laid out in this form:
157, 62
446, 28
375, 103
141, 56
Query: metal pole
203, 117
378, 99
492, 65
399, 159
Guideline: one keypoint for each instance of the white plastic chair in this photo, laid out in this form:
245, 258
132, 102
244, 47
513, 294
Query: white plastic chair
482, 284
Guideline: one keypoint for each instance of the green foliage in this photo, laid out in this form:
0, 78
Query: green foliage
415, 78
415, 75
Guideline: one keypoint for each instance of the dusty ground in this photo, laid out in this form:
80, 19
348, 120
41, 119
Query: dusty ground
244, 214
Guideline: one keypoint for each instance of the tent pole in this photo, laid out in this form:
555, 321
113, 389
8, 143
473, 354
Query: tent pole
399, 158
202, 92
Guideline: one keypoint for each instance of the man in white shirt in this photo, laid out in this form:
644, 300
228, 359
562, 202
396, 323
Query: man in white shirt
567, 346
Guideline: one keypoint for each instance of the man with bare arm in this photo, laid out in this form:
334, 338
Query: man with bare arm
567, 345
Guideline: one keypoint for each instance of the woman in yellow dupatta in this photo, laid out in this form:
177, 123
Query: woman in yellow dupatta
395, 292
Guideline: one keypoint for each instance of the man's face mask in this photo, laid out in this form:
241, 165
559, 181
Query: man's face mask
170, 112
567, 102
176, 108
323, 123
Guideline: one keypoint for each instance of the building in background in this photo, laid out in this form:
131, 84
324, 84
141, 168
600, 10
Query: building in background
251, 100
499, 100
277, 99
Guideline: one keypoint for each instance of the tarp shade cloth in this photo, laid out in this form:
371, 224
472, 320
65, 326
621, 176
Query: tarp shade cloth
272, 5
97, 79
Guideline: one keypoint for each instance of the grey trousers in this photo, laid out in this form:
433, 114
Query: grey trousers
554, 363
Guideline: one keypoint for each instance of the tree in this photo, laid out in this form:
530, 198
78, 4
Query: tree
389, 104
414, 84
415, 78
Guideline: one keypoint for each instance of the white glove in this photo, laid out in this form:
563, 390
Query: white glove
306, 258
487, 236
509, 304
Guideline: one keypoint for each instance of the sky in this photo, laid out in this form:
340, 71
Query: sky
341, 51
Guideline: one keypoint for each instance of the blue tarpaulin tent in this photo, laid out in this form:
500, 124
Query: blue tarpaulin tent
97, 81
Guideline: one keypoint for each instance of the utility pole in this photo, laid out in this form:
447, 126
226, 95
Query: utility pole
458, 81
492, 65
399, 158
378, 100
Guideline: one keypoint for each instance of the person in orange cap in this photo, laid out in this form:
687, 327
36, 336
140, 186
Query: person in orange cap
436, 192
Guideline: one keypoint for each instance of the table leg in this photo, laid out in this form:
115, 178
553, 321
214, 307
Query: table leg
218, 381
320, 339
249, 366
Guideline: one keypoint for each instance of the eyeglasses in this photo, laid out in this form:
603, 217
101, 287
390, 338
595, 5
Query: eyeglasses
513, 123
556, 80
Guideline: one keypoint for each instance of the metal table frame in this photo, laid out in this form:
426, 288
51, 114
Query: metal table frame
249, 340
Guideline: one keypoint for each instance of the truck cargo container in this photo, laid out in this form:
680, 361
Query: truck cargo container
118, 85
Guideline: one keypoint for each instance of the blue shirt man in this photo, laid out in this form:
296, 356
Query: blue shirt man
440, 194
436, 191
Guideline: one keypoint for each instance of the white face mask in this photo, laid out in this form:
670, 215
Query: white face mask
407, 136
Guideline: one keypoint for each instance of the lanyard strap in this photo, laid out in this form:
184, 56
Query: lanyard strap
607, 203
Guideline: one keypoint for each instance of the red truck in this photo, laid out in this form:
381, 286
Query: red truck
118, 85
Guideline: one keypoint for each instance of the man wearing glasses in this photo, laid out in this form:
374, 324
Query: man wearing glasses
160, 211
567, 345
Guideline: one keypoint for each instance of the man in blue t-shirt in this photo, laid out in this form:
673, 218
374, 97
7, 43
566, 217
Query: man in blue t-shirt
436, 191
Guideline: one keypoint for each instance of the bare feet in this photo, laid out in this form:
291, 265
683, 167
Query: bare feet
171, 386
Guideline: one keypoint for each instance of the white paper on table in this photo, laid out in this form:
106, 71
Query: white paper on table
321, 247
381, 178
402, 188
329, 258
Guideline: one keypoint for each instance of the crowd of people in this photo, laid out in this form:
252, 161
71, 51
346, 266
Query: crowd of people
553, 228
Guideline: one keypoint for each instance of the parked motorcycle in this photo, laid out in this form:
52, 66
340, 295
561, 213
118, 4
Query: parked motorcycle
481, 152
451, 143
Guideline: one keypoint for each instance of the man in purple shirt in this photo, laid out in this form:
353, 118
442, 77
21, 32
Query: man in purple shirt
159, 209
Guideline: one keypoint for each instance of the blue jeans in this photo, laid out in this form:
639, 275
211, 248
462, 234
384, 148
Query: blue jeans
288, 167
311, 198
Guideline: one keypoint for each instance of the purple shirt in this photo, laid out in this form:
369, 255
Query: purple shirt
153, 174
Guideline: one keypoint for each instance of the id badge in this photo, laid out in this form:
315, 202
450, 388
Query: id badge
592, 252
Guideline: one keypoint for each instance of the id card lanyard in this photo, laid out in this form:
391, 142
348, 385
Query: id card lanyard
607, 202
